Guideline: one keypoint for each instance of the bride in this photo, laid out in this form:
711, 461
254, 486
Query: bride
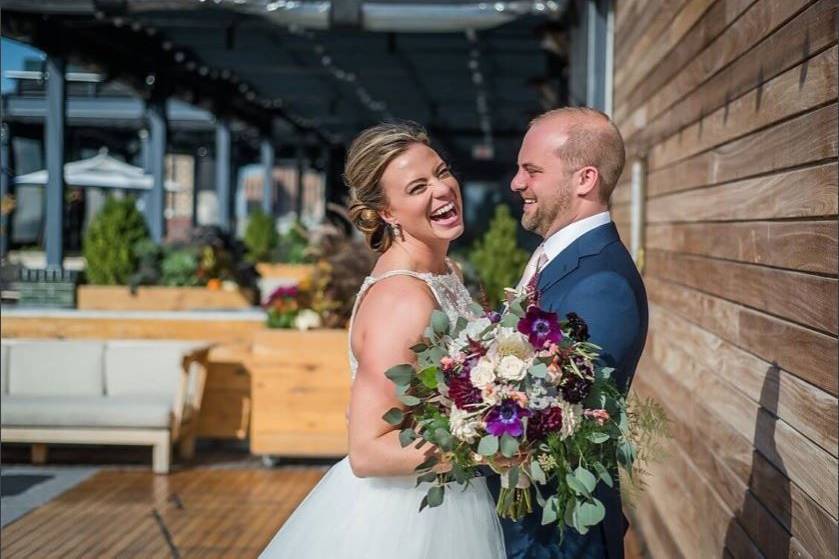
408, 205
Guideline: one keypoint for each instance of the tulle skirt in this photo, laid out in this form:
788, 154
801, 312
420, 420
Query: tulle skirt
345, 517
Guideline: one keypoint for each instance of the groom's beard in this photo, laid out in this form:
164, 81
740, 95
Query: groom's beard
547, 210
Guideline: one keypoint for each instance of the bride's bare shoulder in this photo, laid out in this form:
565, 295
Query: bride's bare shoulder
397, 296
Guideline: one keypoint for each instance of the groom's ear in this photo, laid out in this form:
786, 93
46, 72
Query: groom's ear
587, 179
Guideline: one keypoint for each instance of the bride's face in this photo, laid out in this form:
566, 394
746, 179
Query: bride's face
423, 196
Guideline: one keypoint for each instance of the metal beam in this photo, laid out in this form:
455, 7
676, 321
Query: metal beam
223, 174
156, 200
301, 168
54, 144
5, 175
266, 150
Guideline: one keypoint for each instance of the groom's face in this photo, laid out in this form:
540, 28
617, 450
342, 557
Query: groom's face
543, 181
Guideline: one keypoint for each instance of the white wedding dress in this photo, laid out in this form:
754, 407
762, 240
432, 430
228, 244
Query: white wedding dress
346, 517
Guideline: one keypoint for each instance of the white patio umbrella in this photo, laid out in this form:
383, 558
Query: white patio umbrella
102, 171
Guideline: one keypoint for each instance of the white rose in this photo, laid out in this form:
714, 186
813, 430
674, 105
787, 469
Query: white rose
483, 373
511, 342
307, 319
463, 427
511, 368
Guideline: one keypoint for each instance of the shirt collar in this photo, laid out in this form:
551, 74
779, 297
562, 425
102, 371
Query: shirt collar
563, 238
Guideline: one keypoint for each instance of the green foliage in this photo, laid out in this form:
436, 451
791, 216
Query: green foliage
178, 268
649, 434
110, 243
496, 257
293, 246
261, 237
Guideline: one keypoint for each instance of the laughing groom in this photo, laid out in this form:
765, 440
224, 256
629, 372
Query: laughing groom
568, 165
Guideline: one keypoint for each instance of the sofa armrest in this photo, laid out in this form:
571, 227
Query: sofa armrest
193, 374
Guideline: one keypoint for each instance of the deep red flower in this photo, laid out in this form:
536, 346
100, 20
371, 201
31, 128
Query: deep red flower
462, 392
543, 422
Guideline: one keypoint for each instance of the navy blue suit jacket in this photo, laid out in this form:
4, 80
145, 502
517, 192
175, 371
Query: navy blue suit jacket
596, 278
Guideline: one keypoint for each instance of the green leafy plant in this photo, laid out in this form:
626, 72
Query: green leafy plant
179, 268
109, 246
261, 237
496, 257
293, 247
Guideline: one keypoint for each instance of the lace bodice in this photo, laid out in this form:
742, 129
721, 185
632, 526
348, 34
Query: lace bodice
452, 297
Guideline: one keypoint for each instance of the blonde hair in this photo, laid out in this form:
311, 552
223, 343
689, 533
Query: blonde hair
599, 145
368, 157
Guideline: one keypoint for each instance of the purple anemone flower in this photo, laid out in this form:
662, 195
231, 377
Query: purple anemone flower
540, 326
506, 418
494, 317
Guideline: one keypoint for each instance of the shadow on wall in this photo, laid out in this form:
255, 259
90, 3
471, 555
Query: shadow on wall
769, 479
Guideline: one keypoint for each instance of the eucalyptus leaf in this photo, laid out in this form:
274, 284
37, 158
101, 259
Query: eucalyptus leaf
488, 445
461, 476
435, 496
570, 506
549, 510
439, 322
603, 473
539, 370
435, 354
394, 416
419, 348
586, 478
576, 485
590, 514
428, 377
423, 503
476, 309
512, 477
431, 461
625, 454
400, 374
408, 399
459, 325
509, 445
536, 472
444, 439
597, 438
509, 320
516, 308
406, 437
426, 478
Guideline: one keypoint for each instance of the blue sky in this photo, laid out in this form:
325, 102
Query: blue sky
12, 55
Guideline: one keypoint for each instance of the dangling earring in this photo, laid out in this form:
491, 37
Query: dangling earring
396, 229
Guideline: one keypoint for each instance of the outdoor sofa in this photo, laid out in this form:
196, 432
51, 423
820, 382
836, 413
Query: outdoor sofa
121, 392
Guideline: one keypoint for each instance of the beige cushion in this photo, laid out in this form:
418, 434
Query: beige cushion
144, 366
4, 367
46, 367
86, 411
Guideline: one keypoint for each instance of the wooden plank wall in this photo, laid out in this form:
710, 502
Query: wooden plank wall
732, 105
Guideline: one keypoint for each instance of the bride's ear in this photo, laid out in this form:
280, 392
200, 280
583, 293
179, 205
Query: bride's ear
387, 216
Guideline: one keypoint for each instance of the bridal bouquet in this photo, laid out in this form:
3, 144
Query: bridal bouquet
522, 393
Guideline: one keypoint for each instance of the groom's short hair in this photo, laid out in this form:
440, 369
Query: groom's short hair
593, 139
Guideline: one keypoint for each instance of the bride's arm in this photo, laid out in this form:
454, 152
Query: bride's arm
393, 319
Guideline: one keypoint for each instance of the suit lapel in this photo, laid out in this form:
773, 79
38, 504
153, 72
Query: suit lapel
569, 259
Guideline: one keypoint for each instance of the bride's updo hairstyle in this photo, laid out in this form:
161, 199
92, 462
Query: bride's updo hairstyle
368, 157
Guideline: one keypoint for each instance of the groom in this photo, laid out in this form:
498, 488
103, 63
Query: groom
568, 165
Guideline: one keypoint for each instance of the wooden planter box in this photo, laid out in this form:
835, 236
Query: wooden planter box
160, 298
300, 389
292, 273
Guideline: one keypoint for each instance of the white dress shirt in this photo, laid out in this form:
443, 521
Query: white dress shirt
563, 238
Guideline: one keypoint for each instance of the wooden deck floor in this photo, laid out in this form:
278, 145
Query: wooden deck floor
208, 513
195, 513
